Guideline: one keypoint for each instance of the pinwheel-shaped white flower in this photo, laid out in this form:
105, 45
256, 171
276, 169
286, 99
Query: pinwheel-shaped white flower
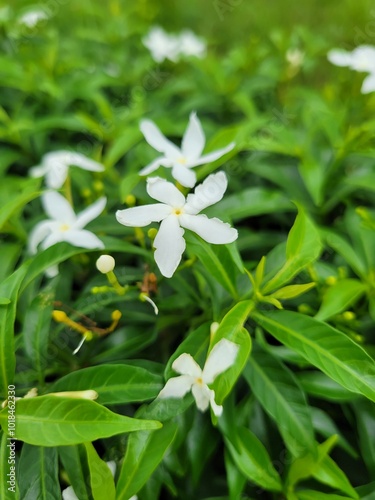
183, 159
193, 378
55, 167
362, 58
65, 225
177, 213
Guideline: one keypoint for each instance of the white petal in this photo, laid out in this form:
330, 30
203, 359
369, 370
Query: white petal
53, 238
52, 271
157, 140
112, 467
210, 157
79, 160
368, 84
211, 230
194, 140
154, 165
170, 245
56, 175
176, 387
58, 208
201, 395
144, 215
82, 238
217, 409
185, 364
339, 57
165, 192
90, 213
220, 359
68, 494
184, 175
38, 171
209, 192
39, 233
363, 58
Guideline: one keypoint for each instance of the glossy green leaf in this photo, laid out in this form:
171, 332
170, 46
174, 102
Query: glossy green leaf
365, 413
59, 421
282, 398
38, 473
252, 459
101, 479
302, 248
328, 472
319, 385
217, 260
235, 479
144, 452
318, 495
114, 383
9, 208
9, 289
343, 248
8, 469
324, 347
339, 297
74, 461
292, 291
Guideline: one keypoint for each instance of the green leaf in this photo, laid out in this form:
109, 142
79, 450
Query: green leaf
318, 495
101, 479
302, 248
339, 297
55, 421
121, 145
36, 329
324, 347
128, 183
328, 472
292, 291
282, 398
114, 383
38, 473
365, 413
74, 461
217, 260
235, 479
9, 289
252, 459
343, 248
144, 452
249, 203
319, 385
9, 208
8, 469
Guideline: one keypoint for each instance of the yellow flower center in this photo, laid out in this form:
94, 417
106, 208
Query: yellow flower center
64, 227
199, 381
178, 211
182, 160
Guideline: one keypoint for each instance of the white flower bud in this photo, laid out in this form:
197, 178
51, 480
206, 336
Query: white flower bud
105, 264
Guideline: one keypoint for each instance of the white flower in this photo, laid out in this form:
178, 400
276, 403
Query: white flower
65, 225
362, 58
193, 378
32, 18
69, 494
161, 45
175, 213
191, 45
183, 159
295, 57
55, 166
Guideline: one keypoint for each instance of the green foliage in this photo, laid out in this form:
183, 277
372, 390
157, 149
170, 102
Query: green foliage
295, 292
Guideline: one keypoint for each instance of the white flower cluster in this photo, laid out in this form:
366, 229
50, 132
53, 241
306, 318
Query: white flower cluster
63, 224
362, 59
163, 45
175, 212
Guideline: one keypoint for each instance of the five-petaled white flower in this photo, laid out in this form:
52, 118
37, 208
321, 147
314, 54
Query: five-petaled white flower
183, 159
65, 225
362, 58
55, 166
177, 213
193, 378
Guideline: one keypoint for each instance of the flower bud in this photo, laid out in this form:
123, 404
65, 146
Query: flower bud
105, 264
151, 233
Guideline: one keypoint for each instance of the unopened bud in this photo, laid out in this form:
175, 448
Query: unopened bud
331, 280
88, 394
130, 200
152, 232
105, 264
